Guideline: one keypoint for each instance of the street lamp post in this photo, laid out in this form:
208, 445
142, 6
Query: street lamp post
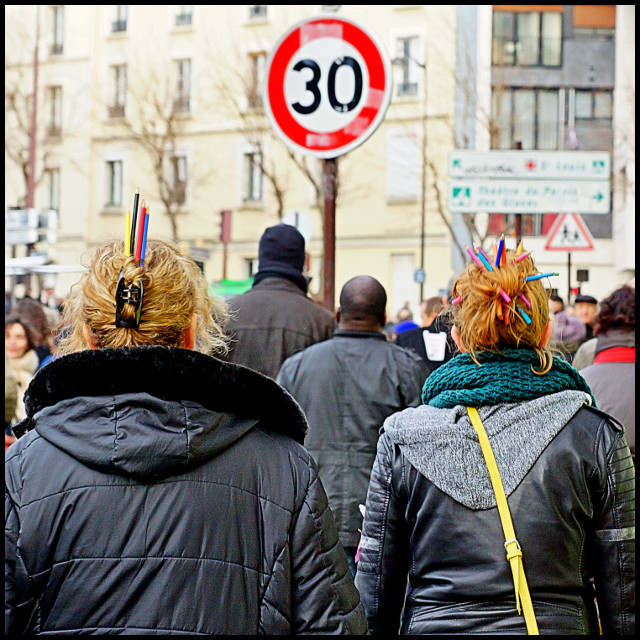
404, 61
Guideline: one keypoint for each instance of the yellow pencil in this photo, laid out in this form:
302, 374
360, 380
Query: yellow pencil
519, 250
127, 235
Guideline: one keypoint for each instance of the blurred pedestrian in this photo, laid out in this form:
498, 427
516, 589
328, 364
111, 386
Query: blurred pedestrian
33, 311
568, 333
612, 376
276, 318
585, 308
20, 345
346, 387
431, 509
556, 303
10, 399
158, 489
432, 342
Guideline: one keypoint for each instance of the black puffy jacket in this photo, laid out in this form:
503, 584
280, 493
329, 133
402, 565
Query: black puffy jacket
570, 488
160, 491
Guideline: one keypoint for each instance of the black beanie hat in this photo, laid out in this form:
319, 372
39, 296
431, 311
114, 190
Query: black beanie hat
281, 254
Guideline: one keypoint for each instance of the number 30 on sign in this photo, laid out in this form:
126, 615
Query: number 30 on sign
327, 86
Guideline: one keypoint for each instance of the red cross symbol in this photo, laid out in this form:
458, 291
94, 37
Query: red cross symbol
531, 165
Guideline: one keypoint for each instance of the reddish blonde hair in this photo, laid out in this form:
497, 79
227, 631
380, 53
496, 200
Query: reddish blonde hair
477, 314
174, 289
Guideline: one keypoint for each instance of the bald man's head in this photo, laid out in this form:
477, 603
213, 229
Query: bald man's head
363, 301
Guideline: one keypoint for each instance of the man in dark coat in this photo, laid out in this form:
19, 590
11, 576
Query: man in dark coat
276, 318
347, 386
432, 341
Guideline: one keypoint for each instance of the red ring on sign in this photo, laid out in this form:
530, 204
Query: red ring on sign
326, 27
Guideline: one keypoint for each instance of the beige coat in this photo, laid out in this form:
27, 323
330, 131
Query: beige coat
23, 369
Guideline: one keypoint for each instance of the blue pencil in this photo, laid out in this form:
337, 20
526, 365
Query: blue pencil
144, 238
537, 276
500, 249
527, 319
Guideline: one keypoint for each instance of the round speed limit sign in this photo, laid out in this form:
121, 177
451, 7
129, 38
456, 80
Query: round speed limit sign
327, 86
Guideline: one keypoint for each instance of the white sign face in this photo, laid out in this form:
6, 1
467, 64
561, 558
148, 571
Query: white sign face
555, 165
327, 86
528, 196
569, 233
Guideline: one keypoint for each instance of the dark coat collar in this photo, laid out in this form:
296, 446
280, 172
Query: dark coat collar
169, 373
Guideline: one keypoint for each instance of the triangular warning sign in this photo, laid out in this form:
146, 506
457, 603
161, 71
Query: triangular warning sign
569, 233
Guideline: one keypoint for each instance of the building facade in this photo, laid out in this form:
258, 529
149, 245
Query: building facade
168, 99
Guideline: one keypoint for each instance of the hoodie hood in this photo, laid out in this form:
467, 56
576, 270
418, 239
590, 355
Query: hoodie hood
443, 445
150, 412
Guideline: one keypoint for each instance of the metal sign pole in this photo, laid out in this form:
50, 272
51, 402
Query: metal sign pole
329, 227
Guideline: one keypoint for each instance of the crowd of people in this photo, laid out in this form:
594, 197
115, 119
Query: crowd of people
178, 464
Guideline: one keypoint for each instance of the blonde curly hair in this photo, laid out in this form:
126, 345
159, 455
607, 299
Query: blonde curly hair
174, 289
486, 322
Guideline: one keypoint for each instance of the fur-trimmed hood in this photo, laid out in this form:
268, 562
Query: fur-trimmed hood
150, 411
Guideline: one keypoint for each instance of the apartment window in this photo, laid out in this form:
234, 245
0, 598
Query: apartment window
592, 105
184, 15
403, 165
119, 23
526, 38
54, 99
408, 53
114, 183
257, 62
179, 178
52, 180
528, 116
118, 74
57, 21
253, 176
257, 11
183, 84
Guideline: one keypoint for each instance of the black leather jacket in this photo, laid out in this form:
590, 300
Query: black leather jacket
574, 516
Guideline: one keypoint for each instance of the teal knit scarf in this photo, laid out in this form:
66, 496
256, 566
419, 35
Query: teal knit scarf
503, 377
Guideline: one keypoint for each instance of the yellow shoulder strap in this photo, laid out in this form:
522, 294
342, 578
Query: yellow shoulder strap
514, 553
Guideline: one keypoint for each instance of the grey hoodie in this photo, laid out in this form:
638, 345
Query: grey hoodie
443, 445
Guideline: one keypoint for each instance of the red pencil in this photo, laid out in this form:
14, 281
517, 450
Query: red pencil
143, 214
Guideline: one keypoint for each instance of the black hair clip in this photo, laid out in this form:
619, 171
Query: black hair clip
132, 295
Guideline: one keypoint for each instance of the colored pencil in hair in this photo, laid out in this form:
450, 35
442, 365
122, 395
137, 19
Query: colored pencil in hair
144, 237
127, 234
134, 219
495, 252
537, 276
499, 310
474, 256
527, 319
525, 300
483, 257
522, 256
456, 300
143, 212
505, 296
500, 250
519, 249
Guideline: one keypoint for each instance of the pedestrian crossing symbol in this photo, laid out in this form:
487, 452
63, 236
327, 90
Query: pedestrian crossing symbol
461, 196
569, 233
